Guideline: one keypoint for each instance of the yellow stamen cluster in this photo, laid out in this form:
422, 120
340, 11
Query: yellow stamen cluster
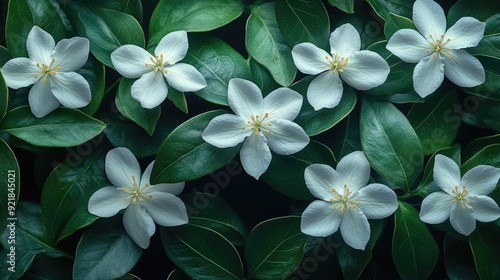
460, 195
438, 46
337, 62
47, 70
342, 200
257, 124
158, 63
135, 192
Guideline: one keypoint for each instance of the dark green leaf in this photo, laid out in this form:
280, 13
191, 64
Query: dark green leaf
489, 46
398, 7
343, 5
93, 72
458, 259
9, 178
46, 268
478, 144
396, 22
4, 97
178, 274
131, 7
483, 113
349, 140
470, 8
4, 55
490, 89
485, 247
487, 156
262, 77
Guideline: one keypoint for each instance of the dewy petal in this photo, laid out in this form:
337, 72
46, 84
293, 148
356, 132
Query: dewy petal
463, 69
107, 201
325, 91
319, 180
446, 173
366, 70
354, 171
428, 75
255, 155
481, 180
244, 97
71, 89
40, 45
310, 59
286, 137
355, 228
174, 189
226, 131
377, 201
173, 46
462, 218
71, 54
345, 40
283, 103
150, 90
20, 72
41, 99
485, 209
166, 209
130, 61
138, 224
436, 208
184, 77
121, 165
409, 45
319, 219
429, 18
465, 33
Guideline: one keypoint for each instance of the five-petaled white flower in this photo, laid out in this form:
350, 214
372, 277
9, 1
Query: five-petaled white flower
362, 70
437, 51
145, 203
464, 198
261, 123
345, 200
150, 89
51, 68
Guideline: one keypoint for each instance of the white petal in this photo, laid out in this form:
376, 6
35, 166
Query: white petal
436, 208
446, 173
377, 201
166, 209
354, 171
226, 131
319, 180
71, 54
345, 40
325, 91
150, 90
40, 45
409, 45
366, 70
319, 219
122, 168
310, 59
130, 61
173, 46
244, 97
286, 137
462, 218
481, 180
107, 201
429, 18
428, 75
255, 155
465, 33
41, 99
283, 103
138, 224
485, 209
71, 89
355, 228
175, 188
463, 69
184, 77
20, 72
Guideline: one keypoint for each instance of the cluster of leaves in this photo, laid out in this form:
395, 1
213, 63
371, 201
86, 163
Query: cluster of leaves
399, 132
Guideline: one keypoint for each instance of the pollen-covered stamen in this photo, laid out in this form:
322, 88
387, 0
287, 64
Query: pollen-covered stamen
438, 46
47, 70
342, 200
158, 63
136, 193
460, 194
337, 63
257, 124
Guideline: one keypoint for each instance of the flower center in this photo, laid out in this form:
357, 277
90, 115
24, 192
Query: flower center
256, 124
135, 192
438, 46
158, 63
342, 200
337, 63
460, 194
47, 70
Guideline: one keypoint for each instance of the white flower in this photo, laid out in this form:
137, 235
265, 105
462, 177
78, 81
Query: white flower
437, 51
464, 199
52, 69
150, 89
145, 203
345, 200
261, 123
362, 70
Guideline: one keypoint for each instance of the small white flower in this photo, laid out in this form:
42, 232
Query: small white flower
150, 89
261, 123
145, 203
345, 200
437, 51
362, 70
51, 68
464, 198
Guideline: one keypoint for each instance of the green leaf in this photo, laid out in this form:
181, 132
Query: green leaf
131, 7
93, 72
390, 143
185, 156
178, 274
67, 190
490, 89
484, 114
346, 6
398, 7
485, 247
4, 55
470, 8
414, 250
262, 77
478, 144
105, 251
201, 253
178, 99
458, 259
396, 22
349, 140
4, 97
44, 268
489, 46
303, 21
487, 156
275, 248
63, 127
9, 178
218, 62
267, 46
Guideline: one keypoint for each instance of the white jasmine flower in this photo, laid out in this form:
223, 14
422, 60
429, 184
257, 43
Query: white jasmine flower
260, 123
362, 70
150, 89
145, 203
437, 51
464, 198
345, 200
51, 68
